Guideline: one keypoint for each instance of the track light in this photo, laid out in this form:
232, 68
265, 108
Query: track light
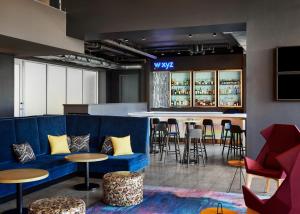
143, 39
214, 34
178, 53
190, 35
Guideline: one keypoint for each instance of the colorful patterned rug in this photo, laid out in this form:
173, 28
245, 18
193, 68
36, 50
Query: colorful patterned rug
170, 200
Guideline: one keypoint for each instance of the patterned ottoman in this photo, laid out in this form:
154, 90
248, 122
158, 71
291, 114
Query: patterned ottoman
123, 188
57, 205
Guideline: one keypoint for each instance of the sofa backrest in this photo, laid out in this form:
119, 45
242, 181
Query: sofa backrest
83, 125
8, 137
137, 128
50, 125
27, 131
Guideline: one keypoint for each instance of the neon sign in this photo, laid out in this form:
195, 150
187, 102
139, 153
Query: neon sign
163, 65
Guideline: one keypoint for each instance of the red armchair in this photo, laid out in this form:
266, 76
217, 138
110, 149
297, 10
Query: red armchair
286, 199
279, 138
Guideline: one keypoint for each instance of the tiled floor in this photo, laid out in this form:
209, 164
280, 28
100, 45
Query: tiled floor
215, 176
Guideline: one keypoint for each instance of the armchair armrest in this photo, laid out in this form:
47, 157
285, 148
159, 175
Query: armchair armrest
252, 201
251, 164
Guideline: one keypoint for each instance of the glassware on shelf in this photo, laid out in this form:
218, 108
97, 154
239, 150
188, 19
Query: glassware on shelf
230, 88
180, 89
205, 88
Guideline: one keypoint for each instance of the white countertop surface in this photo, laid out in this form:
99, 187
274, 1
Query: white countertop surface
186, 114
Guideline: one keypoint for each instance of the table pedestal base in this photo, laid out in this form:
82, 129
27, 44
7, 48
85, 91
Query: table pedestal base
84, 187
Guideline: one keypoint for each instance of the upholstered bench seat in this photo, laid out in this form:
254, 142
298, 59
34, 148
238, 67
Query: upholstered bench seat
132, 162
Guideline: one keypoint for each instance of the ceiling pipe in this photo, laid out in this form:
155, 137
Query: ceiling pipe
128, 48
131, 67
103, 47
95, 47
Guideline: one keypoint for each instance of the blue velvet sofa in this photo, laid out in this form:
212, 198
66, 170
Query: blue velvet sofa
34, 130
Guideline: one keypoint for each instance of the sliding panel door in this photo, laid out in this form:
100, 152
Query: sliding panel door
56, 89
34, 88
90, 87
74, 86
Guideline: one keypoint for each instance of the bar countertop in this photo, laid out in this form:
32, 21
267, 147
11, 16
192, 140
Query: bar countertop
188, 114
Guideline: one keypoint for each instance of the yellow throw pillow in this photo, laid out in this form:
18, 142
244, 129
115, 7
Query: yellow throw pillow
121, 145
58, 144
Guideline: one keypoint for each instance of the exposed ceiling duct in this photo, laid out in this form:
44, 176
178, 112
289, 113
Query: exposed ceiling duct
91, 61
96, 47
128, 48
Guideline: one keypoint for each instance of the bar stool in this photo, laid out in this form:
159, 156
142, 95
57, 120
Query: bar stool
160, 135
226, 124
236, 145
208, 123
165, 143
189, 125
153, 123
198, 149
174, 136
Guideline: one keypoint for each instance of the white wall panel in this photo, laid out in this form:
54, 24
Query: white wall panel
74, 86
90, 87
34, 88
56, 89
17, 90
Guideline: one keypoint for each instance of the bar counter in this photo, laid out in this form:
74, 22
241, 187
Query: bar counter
182, 117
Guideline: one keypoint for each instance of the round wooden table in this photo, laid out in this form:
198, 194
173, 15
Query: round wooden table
18, 177
215, 210
86, 158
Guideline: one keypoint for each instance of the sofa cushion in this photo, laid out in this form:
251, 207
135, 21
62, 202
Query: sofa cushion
121, 145
7, 138
80, 143
27, 131
134, 162
50, 125
107, 147
83, 125
23, 152
137, 128
58, 144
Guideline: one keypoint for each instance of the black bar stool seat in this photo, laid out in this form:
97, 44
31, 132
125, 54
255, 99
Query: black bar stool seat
208, 123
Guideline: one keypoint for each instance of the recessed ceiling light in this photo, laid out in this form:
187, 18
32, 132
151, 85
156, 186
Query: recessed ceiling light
214, 34
178, 53
162, 54
190, 35
143, 38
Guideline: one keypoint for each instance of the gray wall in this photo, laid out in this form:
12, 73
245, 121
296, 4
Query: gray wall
102, 86
6, 85
270, 23
36, 22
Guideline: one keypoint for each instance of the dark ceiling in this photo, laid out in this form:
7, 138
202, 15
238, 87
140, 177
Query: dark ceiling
82, 17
